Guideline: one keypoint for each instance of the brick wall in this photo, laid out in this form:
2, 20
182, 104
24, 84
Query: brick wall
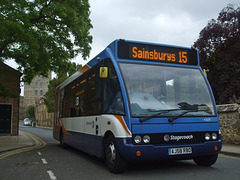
229, 118
11, 79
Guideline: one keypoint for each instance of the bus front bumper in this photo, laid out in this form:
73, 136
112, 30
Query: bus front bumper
160, 152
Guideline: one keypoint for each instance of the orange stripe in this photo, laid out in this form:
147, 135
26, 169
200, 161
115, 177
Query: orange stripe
84, 68
123, 124
63, 129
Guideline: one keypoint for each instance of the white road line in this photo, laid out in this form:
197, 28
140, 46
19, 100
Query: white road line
44, 161
39, 153
51, 174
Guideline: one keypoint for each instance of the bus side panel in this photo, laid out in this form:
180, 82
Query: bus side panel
90, 138
83, 133
71, 128
116, 125
96, 128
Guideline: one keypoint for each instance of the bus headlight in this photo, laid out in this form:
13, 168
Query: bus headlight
146, 139
214, 136
137, 139
207, 136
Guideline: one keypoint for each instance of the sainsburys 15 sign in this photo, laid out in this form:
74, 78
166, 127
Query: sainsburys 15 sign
148, 52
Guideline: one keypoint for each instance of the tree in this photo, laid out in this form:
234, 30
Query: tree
30, 111
218, 45
50, 94
43, 35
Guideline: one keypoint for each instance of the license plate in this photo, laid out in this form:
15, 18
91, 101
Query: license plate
183, 150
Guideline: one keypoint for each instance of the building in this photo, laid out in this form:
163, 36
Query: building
9, 105
42, 116
21, 110
35, 91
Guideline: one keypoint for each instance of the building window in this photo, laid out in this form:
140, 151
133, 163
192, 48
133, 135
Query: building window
36, 92
41, 92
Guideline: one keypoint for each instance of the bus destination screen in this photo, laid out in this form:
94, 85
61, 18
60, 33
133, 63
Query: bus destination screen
164, 54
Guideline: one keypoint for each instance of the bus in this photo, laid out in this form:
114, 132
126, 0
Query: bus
138, 101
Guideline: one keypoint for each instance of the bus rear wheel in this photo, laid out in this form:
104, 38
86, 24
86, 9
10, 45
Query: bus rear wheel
114, 161
62, 143
206, 160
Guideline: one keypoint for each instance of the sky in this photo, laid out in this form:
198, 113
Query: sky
175, 22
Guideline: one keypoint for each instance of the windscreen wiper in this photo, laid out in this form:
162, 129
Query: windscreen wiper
180, 115
154, 115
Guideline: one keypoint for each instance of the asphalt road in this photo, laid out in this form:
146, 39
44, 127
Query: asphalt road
54, 162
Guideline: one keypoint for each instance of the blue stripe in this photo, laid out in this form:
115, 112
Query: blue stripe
88, 143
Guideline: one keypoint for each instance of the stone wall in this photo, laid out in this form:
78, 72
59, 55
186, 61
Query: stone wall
229, 118
42, 117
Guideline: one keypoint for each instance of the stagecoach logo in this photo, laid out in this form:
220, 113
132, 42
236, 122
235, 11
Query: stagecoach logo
166, 138
177, 138
90, 124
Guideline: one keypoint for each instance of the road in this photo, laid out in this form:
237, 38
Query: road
53, 162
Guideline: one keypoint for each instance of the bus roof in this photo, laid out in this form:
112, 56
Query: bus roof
141, 51
144, 51
70, 79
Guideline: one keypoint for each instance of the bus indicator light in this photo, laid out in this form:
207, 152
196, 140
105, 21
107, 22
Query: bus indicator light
138, 153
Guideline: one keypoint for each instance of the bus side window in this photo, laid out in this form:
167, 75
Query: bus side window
94, 92
112, 95
80, 96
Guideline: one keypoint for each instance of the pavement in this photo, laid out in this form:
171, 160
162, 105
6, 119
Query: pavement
8, 143
24, 139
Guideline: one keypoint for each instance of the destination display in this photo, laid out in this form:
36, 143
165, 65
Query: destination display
165, 54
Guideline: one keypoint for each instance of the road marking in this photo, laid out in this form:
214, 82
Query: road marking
51, 174
44, 161
39, 143
39, 153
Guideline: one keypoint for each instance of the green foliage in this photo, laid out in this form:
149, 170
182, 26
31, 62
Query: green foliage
50, 94
219, 44
43, 35
30, 111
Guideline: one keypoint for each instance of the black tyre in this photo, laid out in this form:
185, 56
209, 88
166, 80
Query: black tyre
114, 161
62, 143
206, 160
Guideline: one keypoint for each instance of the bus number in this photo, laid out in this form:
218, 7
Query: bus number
183, 57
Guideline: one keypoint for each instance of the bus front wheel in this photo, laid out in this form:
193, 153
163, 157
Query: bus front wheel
114, 161
206, 160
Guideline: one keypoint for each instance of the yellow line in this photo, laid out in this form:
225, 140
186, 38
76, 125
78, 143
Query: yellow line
39, 143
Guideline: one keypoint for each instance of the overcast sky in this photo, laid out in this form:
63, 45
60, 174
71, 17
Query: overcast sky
176, 22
